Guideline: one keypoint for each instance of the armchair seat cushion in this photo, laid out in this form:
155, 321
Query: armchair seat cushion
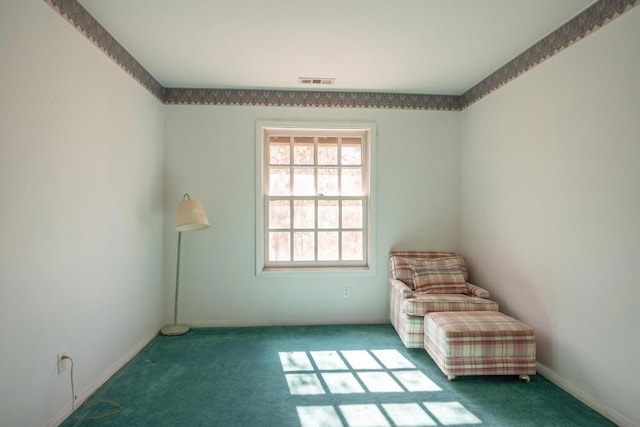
421, 304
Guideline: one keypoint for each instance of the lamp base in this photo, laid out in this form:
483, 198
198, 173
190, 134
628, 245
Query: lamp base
174, 330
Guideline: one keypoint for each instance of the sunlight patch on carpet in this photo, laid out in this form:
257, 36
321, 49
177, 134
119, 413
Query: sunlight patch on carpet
386, 414
364, 372
342, 383
392, 359
364, 416
415, 381
304, 384
379, 382
328, 372
451, 413
295, 361
360, 359
318, 416
407, 415
328, 361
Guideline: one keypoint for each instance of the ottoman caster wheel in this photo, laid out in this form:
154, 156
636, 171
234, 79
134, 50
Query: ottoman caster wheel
451, 377
525, 378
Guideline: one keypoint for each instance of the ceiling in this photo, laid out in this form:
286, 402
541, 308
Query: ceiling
401, 46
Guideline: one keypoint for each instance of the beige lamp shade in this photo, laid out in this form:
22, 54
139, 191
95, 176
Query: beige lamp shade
191, 215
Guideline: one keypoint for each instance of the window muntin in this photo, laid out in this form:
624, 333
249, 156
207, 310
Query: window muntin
316, 199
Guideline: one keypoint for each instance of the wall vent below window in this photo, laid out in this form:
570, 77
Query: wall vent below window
316, 80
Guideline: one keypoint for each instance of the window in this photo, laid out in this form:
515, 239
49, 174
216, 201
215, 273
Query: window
315, 201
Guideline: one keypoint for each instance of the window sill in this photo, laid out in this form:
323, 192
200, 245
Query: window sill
317, 271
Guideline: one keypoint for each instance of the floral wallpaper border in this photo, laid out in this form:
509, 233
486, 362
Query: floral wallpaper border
588, 21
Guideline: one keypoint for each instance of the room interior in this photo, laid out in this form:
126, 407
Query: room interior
531, 175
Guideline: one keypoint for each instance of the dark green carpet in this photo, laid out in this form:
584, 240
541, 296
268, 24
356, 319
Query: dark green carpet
234, 377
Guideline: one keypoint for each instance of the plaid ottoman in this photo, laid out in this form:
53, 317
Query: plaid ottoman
480, 343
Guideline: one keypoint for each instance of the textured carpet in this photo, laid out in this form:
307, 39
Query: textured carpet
307, 376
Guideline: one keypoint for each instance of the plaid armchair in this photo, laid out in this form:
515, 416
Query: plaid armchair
439, 276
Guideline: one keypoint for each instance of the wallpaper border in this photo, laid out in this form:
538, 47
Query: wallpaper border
84, 22
292, 98
591, 19
586, 22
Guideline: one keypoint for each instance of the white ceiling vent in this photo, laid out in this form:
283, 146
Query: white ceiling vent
316, 80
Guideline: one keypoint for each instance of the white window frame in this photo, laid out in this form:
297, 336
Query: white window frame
263, 130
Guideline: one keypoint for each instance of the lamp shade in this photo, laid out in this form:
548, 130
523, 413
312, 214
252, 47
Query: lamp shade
191, 215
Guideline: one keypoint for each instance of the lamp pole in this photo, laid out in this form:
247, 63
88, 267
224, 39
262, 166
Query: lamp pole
175, 303
175, 329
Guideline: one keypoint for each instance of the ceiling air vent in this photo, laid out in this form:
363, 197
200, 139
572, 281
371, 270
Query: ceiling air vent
316, 80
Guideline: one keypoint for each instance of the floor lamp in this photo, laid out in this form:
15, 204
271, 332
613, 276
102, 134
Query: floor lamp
189, 217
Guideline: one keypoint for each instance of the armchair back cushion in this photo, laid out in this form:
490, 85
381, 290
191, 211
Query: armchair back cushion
439, 279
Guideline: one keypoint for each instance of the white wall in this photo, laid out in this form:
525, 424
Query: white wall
81, 216
550, 187
543, 171
210, 153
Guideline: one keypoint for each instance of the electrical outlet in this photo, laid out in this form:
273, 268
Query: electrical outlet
345, 292
62, 365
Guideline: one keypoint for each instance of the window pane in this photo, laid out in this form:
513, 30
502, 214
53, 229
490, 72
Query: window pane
279, 181
328, 150
279, 246
315, 184
304, 246
279, 151
352, 245
328, 181
328, 246
304, 182
352, 151
352, 214
303, 214
352, 182
303, 150
279, 214
328, 214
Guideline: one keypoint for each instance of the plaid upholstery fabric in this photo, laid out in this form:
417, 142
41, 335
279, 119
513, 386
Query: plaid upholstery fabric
411, 332
419, 305
439, 279
407, 309
477, 291
400, 263
422, 254
479, 343
410, 329
398, 294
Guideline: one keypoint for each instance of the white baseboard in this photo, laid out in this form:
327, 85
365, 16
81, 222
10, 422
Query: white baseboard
64, 413
585, 398
244, 323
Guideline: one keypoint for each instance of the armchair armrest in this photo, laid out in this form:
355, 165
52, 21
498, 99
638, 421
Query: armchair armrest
399, 292
477, 291
400, 289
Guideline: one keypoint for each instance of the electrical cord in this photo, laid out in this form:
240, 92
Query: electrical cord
117, 410
73, 392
